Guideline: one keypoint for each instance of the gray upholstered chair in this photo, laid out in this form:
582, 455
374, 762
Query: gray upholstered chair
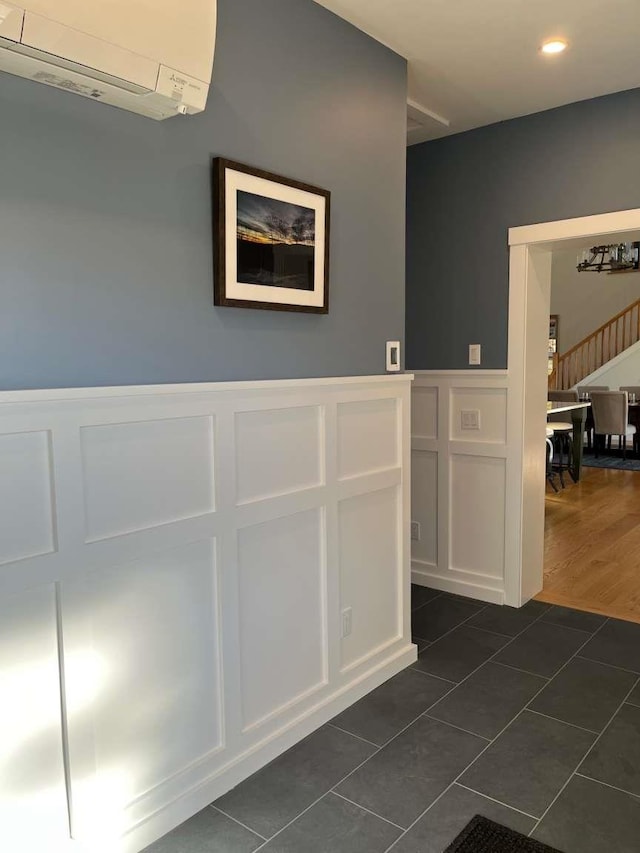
568, 396
583, 393
632, 389
611, 417
587, 389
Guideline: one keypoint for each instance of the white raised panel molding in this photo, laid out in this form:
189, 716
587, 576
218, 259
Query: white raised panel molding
379, 419
32, 781
26, 518
278, 452
173, 565
369, 585
459, 482
126, 488
477, 516
492, 405
283, 646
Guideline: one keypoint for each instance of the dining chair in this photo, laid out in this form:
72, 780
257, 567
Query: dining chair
587, 389
562, 431
568, 396
611, 417
551, 474
583, 393
631, 389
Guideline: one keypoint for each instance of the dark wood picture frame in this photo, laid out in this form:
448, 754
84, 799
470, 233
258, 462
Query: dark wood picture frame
221, 232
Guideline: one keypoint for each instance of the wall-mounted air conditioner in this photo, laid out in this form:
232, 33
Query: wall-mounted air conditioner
153, 57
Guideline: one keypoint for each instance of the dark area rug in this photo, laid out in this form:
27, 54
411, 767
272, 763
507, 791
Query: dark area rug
611, 461
482, 835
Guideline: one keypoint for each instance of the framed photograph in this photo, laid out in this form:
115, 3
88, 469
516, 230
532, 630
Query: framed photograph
271, 240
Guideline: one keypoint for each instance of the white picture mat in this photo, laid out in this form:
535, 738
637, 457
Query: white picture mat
235, 181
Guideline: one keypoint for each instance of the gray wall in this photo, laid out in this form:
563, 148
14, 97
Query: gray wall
463, 194
105, 217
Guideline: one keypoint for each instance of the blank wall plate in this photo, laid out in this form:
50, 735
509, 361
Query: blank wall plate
393, 356
475, 354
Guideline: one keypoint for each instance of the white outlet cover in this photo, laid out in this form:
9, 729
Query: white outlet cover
475, 354
393, 356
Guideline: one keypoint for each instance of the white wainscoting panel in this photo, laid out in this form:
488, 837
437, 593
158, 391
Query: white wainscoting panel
126, 488
477, 515
32, 782
378, 421
424, 411
26, 516
459, 482
424, 505
283, 646
278, 452
368, 582
492, 405
174, 562
155, 628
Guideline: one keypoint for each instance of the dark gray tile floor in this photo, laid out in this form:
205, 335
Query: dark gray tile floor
530, 717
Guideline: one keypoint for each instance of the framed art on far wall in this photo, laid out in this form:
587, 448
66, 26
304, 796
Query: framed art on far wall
271, 240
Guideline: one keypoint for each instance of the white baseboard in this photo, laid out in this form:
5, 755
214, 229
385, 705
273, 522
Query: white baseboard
421, 575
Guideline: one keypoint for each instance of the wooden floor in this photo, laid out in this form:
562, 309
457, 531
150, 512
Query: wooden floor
592, 544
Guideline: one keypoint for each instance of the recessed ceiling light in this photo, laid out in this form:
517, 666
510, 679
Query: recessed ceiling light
554, 46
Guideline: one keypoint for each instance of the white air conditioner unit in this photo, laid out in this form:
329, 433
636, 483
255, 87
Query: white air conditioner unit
152, 57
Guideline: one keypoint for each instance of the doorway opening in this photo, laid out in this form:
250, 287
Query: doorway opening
531, 249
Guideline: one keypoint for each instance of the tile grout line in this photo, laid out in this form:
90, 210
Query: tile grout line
606, 785
363, 739
425, 714
364, 809
611, 665
413, 668
586, 755
464, 770
453, 725
481, 753
558, 720
310, 806
420, 606
493, 800
455, 627
570, 627
239, 822
493, 633
378, 749
520, 669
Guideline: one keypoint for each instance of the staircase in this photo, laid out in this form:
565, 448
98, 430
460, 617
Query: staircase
607, 342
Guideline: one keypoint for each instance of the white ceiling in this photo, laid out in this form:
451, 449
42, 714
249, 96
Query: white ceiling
475, 62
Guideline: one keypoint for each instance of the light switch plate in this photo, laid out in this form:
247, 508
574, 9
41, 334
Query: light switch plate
475, 354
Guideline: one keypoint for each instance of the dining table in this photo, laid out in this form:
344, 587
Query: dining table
578, 411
